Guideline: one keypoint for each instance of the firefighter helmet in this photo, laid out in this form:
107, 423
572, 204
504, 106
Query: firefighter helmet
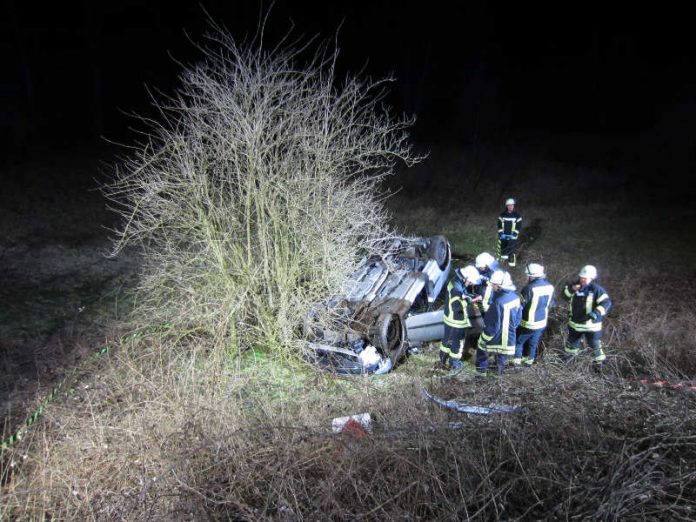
469, 274
534, 270
588, 271
502, 279
509, 201
483, 260
497, 277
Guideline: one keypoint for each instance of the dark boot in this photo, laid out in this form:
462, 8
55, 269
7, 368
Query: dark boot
444, 359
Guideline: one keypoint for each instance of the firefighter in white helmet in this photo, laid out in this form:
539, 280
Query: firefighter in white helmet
509, 227
537, 298
500, 324
588, 304
457, 323
486, 265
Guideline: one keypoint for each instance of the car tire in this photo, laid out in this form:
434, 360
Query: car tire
388, 336
438, 249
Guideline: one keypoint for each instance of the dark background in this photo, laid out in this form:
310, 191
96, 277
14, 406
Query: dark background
608, 84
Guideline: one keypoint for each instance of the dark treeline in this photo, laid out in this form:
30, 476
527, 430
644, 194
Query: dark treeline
609, 89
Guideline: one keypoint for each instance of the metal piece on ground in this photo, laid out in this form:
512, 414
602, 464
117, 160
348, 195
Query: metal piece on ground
492, 409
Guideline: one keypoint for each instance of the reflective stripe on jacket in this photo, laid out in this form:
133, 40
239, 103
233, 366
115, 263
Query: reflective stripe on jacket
510, 224
485, 289
537, 297
500, 323
455, 308
584, 301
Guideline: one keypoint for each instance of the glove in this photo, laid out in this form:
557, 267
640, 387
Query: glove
594, 316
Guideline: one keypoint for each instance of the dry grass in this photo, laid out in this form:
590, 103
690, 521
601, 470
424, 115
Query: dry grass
164, 432
123, 446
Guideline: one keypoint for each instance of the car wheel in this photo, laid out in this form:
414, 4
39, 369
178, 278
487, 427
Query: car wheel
388, 336
438, 250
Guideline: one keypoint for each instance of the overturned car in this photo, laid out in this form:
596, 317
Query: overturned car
384, 309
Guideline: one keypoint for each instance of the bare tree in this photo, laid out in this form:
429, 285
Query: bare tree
259, 191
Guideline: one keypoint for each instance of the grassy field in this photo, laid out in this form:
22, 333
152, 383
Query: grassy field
58, 290
167, 428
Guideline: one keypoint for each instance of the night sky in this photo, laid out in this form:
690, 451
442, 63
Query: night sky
600, 84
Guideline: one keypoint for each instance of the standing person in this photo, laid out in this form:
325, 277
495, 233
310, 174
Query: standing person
509, 227
537, 298
457, 323
588, 303
486, 265
500, 324
472, 296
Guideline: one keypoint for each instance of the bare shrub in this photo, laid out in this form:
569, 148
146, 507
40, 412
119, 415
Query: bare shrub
258, 192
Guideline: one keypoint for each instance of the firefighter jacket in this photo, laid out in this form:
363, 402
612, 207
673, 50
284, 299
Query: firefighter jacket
500, 323
455, 307
509, 225
584, 302
537, 299
485, 289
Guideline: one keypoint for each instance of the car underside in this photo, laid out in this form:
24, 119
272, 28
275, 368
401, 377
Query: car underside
385, 308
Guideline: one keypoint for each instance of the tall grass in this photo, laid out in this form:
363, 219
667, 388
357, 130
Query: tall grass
258, 190
124, 447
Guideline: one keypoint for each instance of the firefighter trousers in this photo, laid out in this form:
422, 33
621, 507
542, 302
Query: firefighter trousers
593, 340
506, 250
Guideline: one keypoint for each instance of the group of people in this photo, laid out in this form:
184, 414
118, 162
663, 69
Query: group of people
482, 297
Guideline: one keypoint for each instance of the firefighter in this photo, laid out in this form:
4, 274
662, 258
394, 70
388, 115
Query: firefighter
509, 227
457, 323
486, 265
588, 303
537, 298
473, 298
500, 324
